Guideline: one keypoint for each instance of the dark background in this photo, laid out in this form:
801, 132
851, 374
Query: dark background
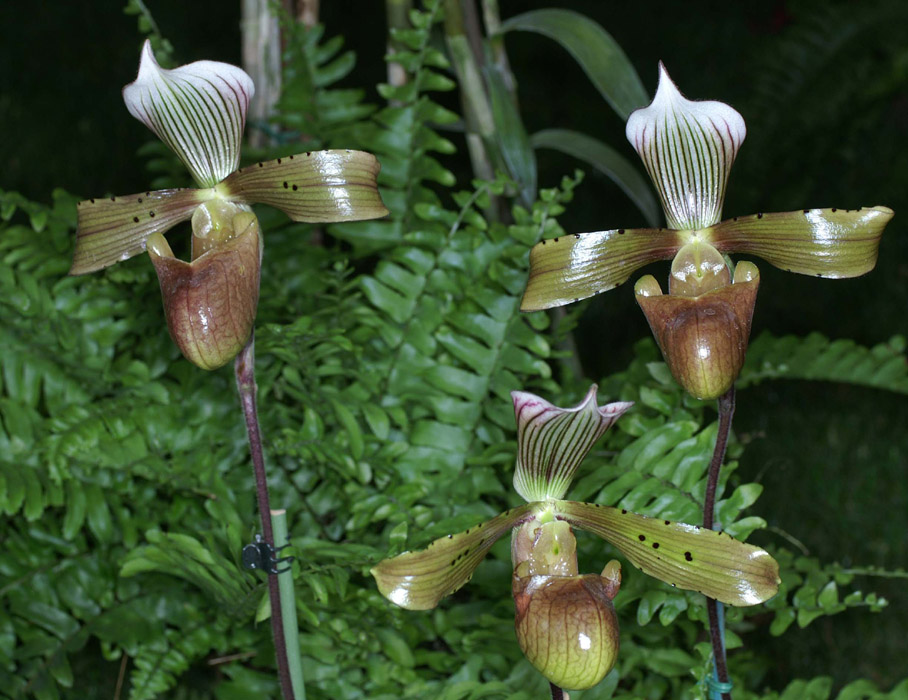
822, 87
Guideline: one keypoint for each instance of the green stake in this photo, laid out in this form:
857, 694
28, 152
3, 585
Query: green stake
288, 609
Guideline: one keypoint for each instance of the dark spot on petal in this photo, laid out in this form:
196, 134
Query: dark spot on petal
286, 185
135, 219
576, 235
543, 243
668, 522
620, 231
151, 214
555, 239
819, 274
624, 511
261, 165
834, 210
655, 545
113, 199
450, 537
453, 562
308, 153
291, 157
139, 200
295, 188
642, 538
735, 219
760, 216
688, 556
807, 211
92, 201
278, 160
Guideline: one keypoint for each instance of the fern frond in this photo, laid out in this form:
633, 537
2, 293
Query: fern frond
815, 357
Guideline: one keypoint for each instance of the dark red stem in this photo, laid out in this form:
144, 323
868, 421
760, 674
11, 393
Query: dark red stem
244, 368
726, 412
557, 693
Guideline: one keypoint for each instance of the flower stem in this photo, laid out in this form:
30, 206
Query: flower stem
716, 635
558, 693
244, 368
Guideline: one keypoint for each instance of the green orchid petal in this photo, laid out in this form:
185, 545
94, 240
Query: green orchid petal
316, 187
552, 441
198, 110
686, 556
116, 228
568, 269
688, 149
831, 243
418, 580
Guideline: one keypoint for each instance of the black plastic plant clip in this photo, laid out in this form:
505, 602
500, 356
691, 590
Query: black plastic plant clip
262, 556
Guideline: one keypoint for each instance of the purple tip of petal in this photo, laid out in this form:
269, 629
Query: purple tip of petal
615, 409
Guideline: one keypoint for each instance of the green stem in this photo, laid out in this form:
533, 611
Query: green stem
244, 368
726, 412
477, 109
288, 609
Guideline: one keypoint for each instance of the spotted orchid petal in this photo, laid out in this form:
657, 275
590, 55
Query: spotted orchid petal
688, 149
112, 229
552, 441
418, 580
687, 556
831, 243
316, 187
570, 268
198, 110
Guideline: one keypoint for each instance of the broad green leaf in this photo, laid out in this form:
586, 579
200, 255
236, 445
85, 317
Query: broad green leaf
316, 187
600, 56
112, 229
511, 136
831, 243
418, 580
607, 161
75, 509
682, 555
570, 268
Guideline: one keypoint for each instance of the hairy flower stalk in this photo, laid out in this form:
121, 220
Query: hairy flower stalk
565, 621
703, 324
199, 111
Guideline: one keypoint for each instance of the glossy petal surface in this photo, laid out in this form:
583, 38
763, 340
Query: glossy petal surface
688, 149
570, 268
112, 229
703, 339
682, 555
830, 243
210, 303
567, 627
198, 110
317, 187
418, 580
552, 441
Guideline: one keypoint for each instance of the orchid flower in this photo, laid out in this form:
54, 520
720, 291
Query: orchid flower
565, 622
703, 324
199, 111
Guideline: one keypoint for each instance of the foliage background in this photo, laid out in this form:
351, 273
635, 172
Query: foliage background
822, 88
